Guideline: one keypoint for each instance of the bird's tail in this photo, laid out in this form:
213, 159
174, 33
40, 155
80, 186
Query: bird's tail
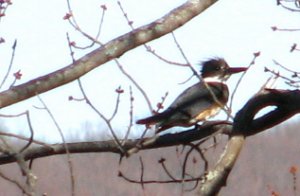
157, 118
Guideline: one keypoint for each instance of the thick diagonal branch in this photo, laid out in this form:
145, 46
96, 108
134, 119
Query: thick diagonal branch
108, 51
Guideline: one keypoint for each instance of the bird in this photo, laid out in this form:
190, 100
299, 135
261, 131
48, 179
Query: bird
199, 102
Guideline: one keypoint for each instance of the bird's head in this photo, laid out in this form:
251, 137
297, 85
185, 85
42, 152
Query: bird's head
219, 69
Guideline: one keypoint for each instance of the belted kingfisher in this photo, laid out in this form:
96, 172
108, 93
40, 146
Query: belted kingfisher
199, 102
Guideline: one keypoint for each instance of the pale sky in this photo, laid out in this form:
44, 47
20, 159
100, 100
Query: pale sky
230, 29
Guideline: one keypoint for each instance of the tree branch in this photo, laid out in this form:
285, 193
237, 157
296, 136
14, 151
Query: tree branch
113, 49
287, 104
166, 140
216, 178
245, 124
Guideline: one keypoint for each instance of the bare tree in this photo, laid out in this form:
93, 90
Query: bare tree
237, 128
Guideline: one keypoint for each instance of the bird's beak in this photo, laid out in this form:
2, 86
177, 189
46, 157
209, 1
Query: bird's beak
233, 70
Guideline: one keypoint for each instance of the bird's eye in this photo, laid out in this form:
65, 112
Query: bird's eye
217, 68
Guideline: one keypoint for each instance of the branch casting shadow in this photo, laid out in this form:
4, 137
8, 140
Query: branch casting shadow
245, 124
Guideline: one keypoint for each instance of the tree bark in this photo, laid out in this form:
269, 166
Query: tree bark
113, 49
245, 124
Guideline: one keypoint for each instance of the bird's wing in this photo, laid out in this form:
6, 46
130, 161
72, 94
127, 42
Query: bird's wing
198, 98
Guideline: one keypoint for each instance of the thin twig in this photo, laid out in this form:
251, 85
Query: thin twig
142, 173
285, 68
158, 181
70, 48
72, 20
152, 51
148, 48
162, 162
25, 170
115, 137
131, 99
135, 84
188, 64
24, 191
288, 80
274, 28
24, 138
119, 91
31, 132
30, 139
255, 55
64, 143
4, 5
14, 46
